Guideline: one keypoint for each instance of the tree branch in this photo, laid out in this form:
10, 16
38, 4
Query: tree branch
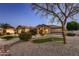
61, 10
48, 11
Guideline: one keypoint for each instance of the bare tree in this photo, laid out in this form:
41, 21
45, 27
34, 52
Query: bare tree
59, 11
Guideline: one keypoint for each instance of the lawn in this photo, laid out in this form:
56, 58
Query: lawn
8, 37
52, 39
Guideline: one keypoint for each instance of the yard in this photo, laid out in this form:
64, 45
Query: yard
47, 49
42, 47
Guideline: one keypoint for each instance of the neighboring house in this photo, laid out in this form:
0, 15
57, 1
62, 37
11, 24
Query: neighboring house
10, 30
1, 30
48, 29
45, 29
22, 28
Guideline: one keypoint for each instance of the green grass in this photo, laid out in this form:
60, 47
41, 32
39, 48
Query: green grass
8, 37
53, 39
57, 39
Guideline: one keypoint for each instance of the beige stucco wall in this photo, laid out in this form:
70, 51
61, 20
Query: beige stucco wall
26, 30
1, 30
47, 30
56, 30
10, 31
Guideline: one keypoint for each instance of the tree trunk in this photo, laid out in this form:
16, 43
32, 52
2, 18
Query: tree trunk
64, 33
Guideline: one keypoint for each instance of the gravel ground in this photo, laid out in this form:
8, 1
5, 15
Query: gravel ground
47, 49
8, 42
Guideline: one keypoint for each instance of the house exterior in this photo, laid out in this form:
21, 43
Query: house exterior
46, 29
10, 30
23, 28
1, 30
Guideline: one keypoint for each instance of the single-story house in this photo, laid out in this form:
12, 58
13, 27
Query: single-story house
46, 29
19, 29
10, 30
1, 30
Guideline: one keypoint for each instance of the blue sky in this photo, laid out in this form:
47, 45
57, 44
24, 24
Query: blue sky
20, 14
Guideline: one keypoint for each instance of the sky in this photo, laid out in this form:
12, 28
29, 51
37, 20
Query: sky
20, 14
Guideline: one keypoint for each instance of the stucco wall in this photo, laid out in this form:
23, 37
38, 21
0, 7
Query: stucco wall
10, 31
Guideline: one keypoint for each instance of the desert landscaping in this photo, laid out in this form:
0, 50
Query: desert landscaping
49, 48
24, 33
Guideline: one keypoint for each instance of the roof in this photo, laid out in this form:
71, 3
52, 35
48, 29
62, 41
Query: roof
20, 27
42, 25
51, 26
10, 28
54, 26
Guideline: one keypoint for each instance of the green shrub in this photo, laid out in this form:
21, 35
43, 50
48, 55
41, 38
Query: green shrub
7, 37
71, 34
25, 36
72, 25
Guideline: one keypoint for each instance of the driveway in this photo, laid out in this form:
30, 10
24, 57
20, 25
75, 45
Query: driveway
47, 49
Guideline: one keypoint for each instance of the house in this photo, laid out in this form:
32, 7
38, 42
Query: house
1, 31
46, 29
10, 30
22, 28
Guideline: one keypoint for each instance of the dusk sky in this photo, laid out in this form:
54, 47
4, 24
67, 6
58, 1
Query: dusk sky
20, 14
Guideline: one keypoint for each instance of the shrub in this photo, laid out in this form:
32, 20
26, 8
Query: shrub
25, 36
33, 31
8, 33
72, 25
7, 37
71, 34
1, 34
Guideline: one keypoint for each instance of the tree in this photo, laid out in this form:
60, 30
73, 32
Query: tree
72, 25
5, 25
59, 11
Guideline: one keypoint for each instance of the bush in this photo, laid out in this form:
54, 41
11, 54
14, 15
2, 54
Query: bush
1, 34
25, 36
72, 25
71, 34
8, 37
33, 31
8, 33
